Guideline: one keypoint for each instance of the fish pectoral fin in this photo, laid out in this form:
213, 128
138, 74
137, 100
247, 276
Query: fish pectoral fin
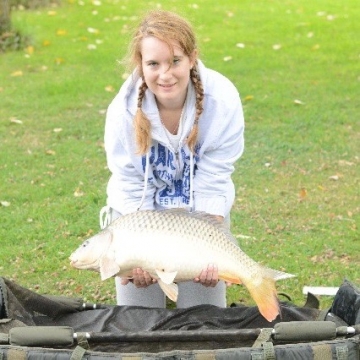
170, 290
108, 268
229, 278
166, 277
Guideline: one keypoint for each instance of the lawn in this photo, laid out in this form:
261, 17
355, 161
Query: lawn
296, 66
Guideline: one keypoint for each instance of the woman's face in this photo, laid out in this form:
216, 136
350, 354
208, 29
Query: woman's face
166, 75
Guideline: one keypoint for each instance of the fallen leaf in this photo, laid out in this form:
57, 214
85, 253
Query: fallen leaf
92, 30
50, 152
78, 193
249, 97
29, 50
4, 203
17, 73
46, 43
302, 194
276, 47
334, 177
51, 13
57, 130
109, 88
91, 47
344, 162
298, 102
240, 45
59, 61
227, 58
61, 32
16, 121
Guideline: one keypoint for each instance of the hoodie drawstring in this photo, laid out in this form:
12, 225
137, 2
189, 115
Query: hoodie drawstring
146, 177
191, 201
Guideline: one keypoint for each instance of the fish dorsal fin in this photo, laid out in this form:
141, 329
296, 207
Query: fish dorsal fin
170, 290
166, 277
108, 267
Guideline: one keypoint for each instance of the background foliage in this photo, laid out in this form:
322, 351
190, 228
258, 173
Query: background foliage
296, 65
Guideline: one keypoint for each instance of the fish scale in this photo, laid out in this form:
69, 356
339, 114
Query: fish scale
173, 246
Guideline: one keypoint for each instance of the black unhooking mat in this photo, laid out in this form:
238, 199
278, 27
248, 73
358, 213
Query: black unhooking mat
34, 326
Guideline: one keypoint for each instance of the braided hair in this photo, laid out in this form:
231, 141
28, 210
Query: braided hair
167, 27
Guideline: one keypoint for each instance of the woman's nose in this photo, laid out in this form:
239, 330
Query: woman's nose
165, 70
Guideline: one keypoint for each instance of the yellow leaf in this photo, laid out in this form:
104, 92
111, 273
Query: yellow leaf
51, 13
59, 61
17, 73
78, 193
61, 32
50, 152
46, 43
29, 50
109, 88
249, 97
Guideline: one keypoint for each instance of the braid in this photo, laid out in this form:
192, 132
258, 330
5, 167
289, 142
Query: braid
142, 124
199, 90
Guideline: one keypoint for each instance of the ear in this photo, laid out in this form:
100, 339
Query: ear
108, 267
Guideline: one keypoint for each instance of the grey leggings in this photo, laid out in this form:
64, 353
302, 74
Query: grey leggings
190, 293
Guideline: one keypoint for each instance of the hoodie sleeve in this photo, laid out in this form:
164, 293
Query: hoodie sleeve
224, 143
127, 182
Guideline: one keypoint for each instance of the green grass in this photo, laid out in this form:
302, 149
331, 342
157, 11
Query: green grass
297, 205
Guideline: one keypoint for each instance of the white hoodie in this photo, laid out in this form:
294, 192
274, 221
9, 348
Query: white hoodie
168, 177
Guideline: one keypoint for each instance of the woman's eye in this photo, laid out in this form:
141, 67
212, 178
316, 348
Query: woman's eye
176, 61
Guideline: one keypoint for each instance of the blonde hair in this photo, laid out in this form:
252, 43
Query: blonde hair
168, 27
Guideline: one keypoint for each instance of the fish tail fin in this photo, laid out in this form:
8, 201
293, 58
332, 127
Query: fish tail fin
277, 275
265, 296
264, 292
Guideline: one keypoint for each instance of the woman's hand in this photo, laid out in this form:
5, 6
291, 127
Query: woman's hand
208, 277
140, 278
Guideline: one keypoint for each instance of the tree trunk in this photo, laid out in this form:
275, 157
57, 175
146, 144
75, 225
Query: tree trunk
5, 22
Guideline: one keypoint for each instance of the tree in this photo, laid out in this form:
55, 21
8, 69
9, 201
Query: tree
5, 21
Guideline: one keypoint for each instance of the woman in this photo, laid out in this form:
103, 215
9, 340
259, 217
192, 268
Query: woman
172, 136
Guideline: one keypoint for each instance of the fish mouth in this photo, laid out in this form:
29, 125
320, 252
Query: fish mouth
73, 262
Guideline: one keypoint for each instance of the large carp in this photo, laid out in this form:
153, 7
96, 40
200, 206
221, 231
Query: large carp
173, 246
